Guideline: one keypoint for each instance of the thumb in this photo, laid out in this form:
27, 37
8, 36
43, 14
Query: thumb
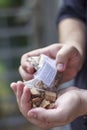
45, 115
63, 56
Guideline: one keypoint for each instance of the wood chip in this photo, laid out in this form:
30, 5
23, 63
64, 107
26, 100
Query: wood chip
35, 92
50, 96
34, 106
51, 106
37, 101
34, 61
58, 79
39, 84
45, 103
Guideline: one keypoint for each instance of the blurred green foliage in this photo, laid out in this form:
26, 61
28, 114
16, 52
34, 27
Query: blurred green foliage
5, 3
9, 3
4, 91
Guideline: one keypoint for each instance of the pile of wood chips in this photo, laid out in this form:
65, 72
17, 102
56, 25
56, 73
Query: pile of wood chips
45, 99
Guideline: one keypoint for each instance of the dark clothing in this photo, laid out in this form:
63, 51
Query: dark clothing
77, 9
74, 9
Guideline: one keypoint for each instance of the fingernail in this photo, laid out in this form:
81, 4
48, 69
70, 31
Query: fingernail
60, 67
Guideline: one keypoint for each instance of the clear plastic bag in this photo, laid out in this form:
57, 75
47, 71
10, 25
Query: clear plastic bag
44, 85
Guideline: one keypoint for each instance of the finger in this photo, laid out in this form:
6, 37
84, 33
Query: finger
24, 58
13, 86
26, 100
63, 56
46, 119
25, 75
26, 65
53, 49
49, 51
20, 87
51, 115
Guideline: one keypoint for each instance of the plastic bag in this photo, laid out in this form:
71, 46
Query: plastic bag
44, 85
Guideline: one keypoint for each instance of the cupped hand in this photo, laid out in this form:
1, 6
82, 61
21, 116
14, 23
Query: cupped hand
23, 97
67, 108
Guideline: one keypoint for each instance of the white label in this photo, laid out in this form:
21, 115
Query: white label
47, 73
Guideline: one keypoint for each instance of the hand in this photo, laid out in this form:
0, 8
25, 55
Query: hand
68, 60
23, 97
67, 107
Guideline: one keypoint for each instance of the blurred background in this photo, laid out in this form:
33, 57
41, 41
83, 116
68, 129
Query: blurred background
24, 25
